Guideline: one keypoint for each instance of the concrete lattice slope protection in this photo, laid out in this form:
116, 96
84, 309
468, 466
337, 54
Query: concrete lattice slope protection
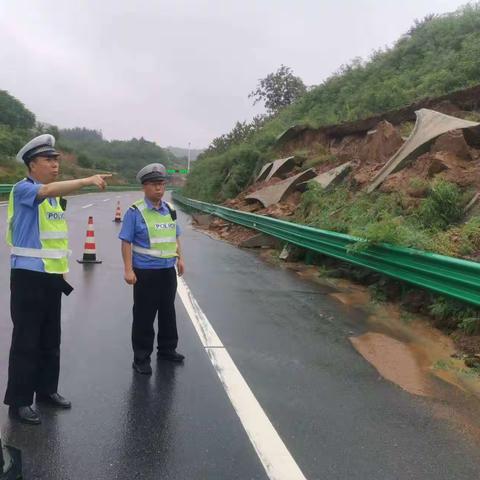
428, 127
275, 193
330, 178
276, 168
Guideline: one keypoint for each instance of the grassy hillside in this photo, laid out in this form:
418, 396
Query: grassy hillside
16, 126
85, 152
436, 56
124, 157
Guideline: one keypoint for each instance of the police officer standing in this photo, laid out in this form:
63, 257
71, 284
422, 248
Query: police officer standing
37, 233
150, 250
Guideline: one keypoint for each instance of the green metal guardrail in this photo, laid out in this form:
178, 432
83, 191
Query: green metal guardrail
454, 277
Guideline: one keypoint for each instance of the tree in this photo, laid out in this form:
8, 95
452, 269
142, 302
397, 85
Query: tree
278, 90
241, 132
42, 128
13, 113
123, 156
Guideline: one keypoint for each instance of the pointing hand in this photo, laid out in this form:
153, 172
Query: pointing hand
98, 180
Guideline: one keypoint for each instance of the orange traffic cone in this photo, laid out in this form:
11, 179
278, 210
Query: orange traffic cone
90, 251
118, 213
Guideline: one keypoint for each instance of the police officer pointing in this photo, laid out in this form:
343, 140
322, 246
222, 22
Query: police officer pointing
150, 250
37, 233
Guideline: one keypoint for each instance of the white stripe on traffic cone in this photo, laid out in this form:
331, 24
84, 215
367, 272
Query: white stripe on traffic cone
90, 250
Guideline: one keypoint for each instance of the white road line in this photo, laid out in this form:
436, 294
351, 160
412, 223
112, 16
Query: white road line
89, 205
106, 199
274, 455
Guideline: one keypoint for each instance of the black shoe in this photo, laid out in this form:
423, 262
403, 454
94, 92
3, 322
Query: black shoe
54, 399
25, 415
171, 355
143, 368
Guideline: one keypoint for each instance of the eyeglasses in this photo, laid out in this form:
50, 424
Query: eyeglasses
156, 183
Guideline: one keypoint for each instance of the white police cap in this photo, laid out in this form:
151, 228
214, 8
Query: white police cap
43, 144
152, 172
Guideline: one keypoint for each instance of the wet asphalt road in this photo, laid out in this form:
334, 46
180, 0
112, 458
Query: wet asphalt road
289, 340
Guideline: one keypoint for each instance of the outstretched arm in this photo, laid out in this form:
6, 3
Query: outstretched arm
58, 189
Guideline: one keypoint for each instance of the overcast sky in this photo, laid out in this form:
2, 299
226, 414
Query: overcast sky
180, 71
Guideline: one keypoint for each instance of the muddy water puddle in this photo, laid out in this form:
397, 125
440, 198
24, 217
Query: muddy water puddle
394, 361
403, 347
432, 351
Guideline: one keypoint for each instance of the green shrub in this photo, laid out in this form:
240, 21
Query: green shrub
444, 206
470, 325
459, 241
391, 230
242, 162
470, 236
452, 314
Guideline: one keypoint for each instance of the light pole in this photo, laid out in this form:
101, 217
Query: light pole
188, 164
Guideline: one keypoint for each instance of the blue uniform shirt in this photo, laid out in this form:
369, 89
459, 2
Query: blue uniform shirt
134, 230
25, 229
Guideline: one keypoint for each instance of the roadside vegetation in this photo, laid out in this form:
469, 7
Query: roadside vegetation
438, 55
437, 225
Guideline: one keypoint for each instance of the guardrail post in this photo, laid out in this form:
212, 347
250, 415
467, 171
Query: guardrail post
309, 257
10, 463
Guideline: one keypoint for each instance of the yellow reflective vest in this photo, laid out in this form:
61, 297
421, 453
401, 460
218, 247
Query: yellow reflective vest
162, 232
53, 234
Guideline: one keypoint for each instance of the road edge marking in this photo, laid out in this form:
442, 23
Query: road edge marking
272, 452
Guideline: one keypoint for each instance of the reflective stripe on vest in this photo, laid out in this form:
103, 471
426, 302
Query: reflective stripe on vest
162, 233
39, 252
163, 240
149, 251
53, 234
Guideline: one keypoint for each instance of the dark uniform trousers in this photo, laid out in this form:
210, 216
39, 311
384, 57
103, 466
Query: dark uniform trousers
34, 364
154, 292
